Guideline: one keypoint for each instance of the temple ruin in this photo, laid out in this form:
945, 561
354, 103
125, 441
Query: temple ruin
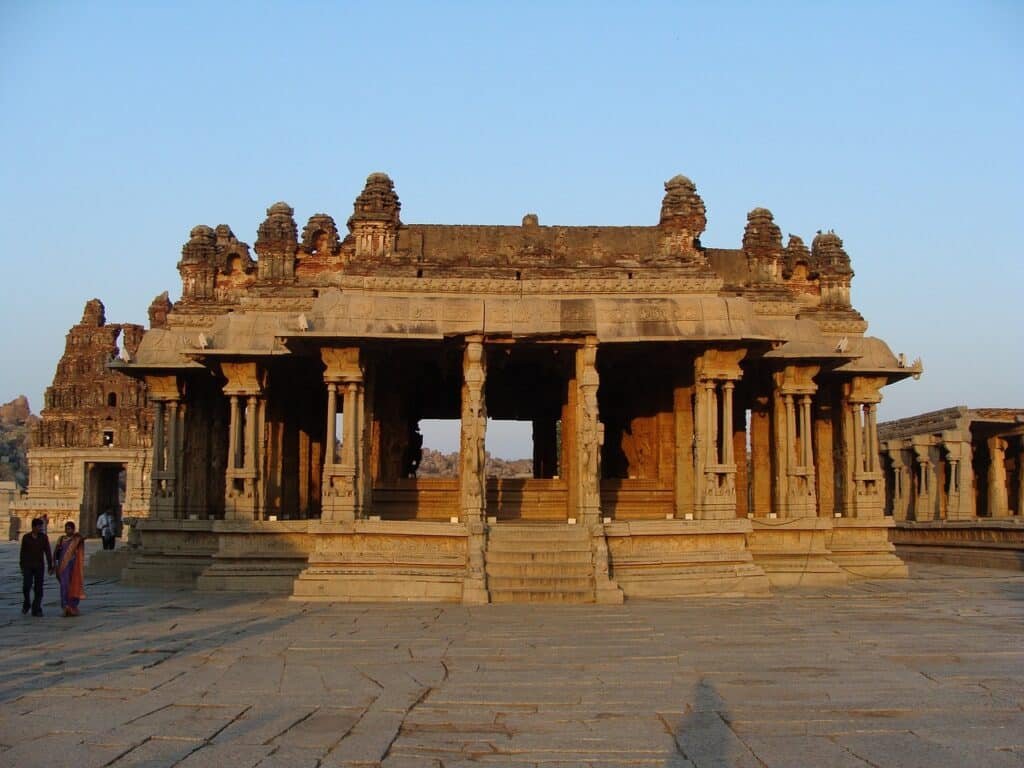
90, 449
955, 485
703, 419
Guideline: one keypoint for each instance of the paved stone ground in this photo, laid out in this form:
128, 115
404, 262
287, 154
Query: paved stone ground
923, 672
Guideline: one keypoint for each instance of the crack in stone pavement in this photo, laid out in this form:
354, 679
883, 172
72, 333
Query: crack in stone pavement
398, 731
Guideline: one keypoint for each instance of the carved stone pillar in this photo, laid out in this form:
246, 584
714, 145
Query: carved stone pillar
715, 373
925, 498
591, 435
590, 438
960, 483
863, 480
761, 456
794, 465
165, 394
331, 449
234, 461
245, 386
343, 491
900, 495
472, 468
824, 459
998, 501
685, 429
159, 456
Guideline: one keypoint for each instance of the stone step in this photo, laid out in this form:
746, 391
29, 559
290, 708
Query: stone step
505, 545
541, 583
538, 533
541, 596
539, 569
539, 564
526, 556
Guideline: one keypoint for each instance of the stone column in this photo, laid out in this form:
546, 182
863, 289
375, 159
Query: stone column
824, 459
159, 455
900, 499
472, 468
233, 432
589, 439
245, 386
165, 394
175, 415
715, 470
806, 425
925, 499
590, 432
728, 452
794, 476
685, 429
761, 457
960, 504
331, 452
343, 487
998, 501
864, 484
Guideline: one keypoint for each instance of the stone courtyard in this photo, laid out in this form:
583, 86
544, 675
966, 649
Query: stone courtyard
926, 671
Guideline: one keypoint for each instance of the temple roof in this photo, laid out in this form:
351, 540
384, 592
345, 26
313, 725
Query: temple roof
956, 417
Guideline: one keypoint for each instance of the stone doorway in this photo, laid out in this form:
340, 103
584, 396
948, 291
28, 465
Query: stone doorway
530, 383
104, 488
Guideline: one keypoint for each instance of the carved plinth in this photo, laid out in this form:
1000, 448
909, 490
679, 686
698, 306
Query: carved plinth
676, 558
368, 561
794, 552
861, 548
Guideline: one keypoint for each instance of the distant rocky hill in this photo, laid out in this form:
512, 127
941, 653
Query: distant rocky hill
16, 421
437, 464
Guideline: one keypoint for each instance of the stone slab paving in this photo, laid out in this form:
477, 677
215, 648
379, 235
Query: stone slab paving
923, 672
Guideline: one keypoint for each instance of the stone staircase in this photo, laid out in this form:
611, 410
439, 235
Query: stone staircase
539, 563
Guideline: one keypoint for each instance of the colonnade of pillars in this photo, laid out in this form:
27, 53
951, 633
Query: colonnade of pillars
347, 486
922, 494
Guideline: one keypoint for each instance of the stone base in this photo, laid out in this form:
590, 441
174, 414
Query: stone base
975, 543
107, 563
330, 585
608, 593
262, 575
172, 553
474, 592
794, 552
371, 561
159, 570
678, 558
861, 548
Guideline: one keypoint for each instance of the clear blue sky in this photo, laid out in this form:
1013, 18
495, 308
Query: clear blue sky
897, 124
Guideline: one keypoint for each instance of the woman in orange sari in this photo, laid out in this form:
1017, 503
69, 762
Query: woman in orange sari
70, 557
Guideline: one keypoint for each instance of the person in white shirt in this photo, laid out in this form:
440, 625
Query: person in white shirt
106, 523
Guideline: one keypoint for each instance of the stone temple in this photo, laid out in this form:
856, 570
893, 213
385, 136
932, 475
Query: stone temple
703, 419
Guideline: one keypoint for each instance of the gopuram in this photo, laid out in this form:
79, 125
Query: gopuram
91, 448
703, 419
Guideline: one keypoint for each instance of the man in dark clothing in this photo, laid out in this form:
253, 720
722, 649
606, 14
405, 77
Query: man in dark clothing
34, 547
